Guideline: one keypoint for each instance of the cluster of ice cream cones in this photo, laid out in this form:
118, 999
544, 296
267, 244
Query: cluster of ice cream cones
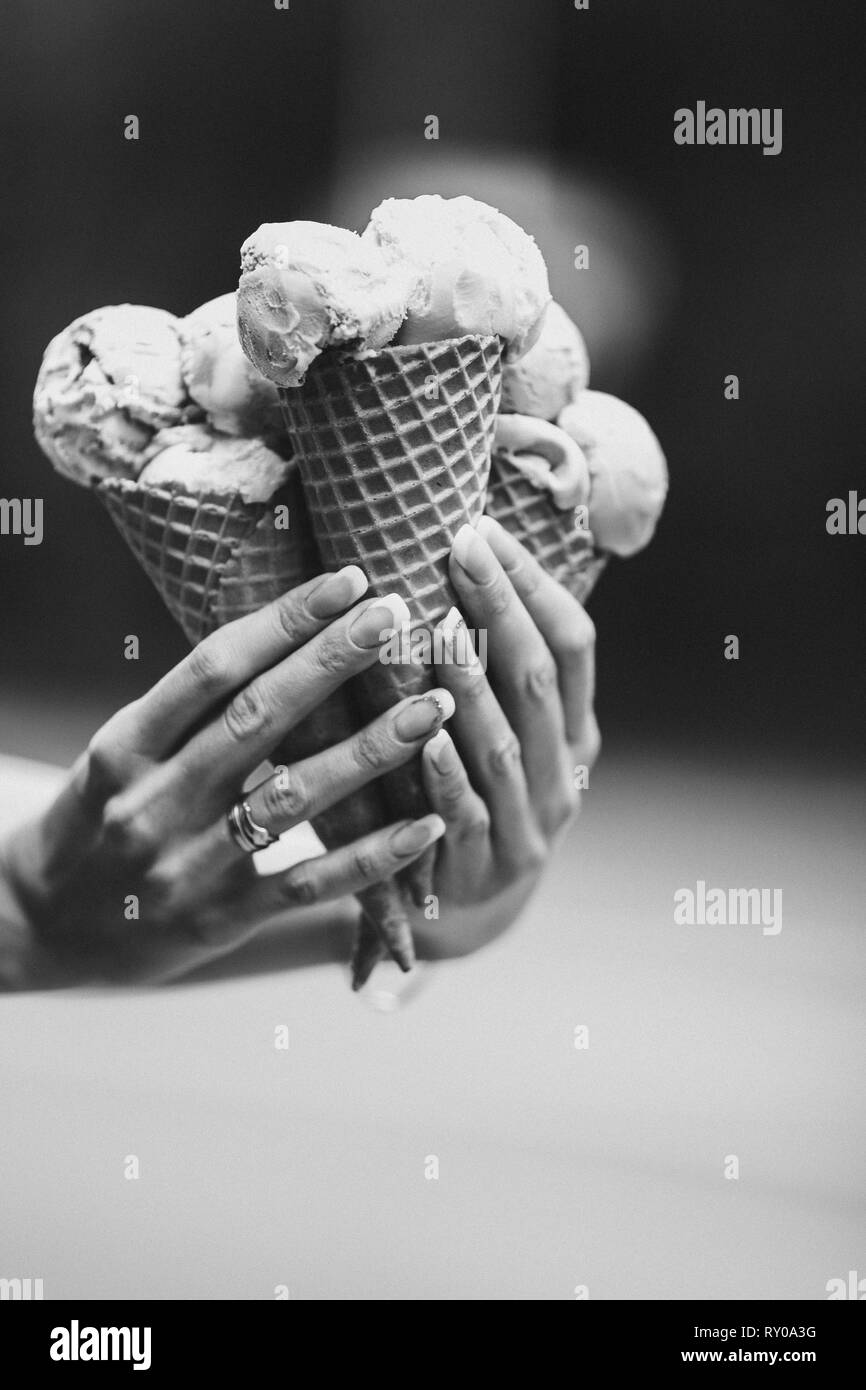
385, 354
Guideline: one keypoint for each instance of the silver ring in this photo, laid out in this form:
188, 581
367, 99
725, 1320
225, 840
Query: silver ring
246, 834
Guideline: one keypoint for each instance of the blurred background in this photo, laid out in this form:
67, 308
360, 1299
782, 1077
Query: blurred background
702, 262
560, 1168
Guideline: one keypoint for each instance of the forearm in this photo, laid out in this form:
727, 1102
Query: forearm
22, 962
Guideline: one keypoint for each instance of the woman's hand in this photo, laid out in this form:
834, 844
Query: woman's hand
132, 874
508, 783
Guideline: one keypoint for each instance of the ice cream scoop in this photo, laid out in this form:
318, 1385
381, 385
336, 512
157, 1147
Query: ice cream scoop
306, 286
552, 373
627, 470
235, 398
200, 460
107, 383
477, 271
547, 457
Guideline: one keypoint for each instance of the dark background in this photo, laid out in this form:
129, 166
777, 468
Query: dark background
703, 262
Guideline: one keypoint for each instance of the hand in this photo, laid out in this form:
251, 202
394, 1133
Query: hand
505, 784
142, 819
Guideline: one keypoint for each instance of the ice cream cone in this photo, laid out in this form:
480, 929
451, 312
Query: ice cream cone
393, 448
214, 557
566, 550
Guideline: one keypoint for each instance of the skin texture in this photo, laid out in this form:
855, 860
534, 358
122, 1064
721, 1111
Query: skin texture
143, 811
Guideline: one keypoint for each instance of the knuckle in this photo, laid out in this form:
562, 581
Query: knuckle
247, 714
504, 758
209, 666
162, 893
103, 768
569, 802
330, 656
526, 577
534, 855
299, 887
200, 930
581, 633
475, 688
476, 827
452, 796
365, 864
367, 751
541, 678
564, 808
286, 796
287, 619
498, 597
127, 831
589, 746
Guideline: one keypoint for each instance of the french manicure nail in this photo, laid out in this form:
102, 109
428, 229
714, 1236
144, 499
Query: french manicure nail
442, 753
411, 838
373, 625
337, 591
458, 647
423, 715
474, 555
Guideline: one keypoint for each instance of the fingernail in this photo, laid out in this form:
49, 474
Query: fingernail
474, 555
337, 591
457, 642
442, 753
423, 715
412, 837
373, 625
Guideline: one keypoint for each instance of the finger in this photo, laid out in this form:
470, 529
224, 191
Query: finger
194, 786
300, 792
487, 744
565, 625
291, 795
230, 657
467, 843
368, 950
522, 666
348, 870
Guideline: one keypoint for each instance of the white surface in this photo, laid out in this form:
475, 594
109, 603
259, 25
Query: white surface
558, 1167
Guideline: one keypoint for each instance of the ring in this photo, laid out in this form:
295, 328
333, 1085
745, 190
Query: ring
246, 834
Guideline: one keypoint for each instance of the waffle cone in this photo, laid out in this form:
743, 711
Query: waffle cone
393, 449
214, 557
567, 553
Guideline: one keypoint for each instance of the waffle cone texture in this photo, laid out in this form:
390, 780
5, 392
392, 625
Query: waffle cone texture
393, 448
214, 557
567, 553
